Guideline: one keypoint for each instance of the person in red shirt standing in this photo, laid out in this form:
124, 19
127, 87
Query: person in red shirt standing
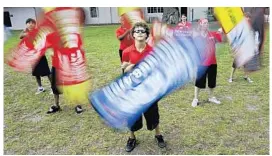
74, 43
131, 56
183, 23
209, 65
42, 68
123, 34
183, 28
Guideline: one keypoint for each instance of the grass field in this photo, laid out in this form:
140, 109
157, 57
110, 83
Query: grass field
240, 125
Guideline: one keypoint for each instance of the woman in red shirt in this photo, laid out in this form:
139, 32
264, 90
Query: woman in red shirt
124, 36
183, 23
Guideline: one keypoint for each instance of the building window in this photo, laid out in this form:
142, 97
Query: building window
210, 11
266, 11
154, 9
94, 11
210, 14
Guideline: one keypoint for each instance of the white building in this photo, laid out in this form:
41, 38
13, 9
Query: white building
101, 15
192, 13
15, 17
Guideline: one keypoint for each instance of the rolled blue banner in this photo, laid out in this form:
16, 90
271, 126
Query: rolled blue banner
171, 65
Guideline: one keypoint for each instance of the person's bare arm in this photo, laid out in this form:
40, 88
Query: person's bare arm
224, 37
124, 65
23, 34
129, 68
121, 37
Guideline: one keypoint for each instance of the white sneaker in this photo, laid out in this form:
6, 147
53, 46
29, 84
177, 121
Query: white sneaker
230, 80
40, 90
214, 100
195, 102
248, 79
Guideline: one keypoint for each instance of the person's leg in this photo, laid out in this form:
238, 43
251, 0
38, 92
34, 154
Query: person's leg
231, 74
157, 130
40, 87
246, 77
200, 83
131, 143
152, 118
120, 55
132, 135
41, 69
56, 107
195, 100
212, 73
245, 74
196, 92
232, 71
211, 92
212, 98
39, 81
159, 137
56, 98
49, 78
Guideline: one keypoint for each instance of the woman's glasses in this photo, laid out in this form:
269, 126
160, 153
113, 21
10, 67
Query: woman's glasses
139, 31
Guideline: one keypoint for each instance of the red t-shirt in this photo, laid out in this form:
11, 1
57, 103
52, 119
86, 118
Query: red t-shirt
187, 25
133, 56
183, 29
26, 30
211, 39
126, 41
51, 39
54, 39
58, 48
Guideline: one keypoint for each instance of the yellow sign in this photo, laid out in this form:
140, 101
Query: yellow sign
78, 93
229, 17
123, 10
47, 9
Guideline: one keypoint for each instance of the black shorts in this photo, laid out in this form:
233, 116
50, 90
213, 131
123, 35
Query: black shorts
120, 54
234, 65
54, 81
151, 116
41, 68
210, 72
254, 64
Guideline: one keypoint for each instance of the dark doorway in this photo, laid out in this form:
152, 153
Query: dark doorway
183, 10
7, 21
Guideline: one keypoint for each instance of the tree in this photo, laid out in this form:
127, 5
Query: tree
170, 15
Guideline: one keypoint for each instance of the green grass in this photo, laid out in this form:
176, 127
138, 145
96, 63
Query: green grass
240, 125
